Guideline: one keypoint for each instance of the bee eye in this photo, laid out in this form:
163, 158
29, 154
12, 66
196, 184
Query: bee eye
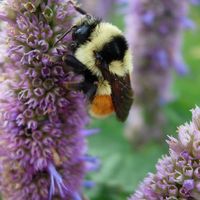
81, 34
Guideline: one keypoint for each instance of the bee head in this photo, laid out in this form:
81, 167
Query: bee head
82, 30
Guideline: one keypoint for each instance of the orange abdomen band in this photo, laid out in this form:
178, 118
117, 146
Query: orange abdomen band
101, 106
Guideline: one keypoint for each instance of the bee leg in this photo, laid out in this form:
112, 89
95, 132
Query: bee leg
81, 11
91, 92
73, 62
89, 85
88, 89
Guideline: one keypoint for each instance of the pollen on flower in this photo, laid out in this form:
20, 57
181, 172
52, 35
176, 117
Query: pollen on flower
56, 158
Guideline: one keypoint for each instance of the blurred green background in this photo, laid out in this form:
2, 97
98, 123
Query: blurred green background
123, 166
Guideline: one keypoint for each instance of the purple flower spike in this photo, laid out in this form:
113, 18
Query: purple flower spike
154, 30
178, 174
42, 123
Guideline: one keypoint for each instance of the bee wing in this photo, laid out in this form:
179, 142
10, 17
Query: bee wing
122, 95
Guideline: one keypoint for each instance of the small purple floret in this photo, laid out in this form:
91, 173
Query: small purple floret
56, 179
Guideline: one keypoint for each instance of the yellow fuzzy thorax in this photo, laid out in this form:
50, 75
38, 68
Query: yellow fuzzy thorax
103, 33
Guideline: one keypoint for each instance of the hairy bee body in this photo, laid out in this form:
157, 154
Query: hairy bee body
102, 55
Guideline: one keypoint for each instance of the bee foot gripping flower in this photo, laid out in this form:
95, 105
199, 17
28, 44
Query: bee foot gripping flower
177, 174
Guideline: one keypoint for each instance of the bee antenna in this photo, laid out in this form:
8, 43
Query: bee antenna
78, 9
64, 34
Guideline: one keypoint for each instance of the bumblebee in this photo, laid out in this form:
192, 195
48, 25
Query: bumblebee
101, 54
